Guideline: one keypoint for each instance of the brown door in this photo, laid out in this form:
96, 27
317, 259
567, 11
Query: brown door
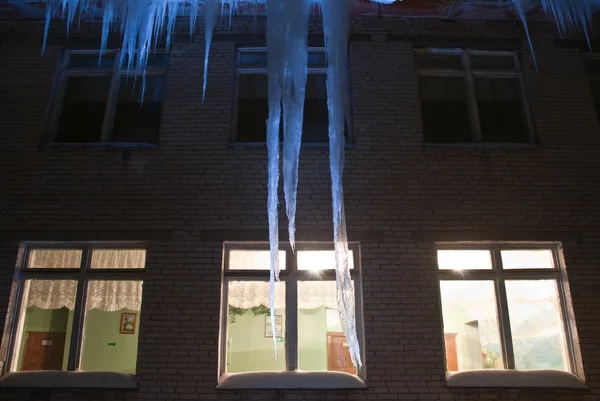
43, 351
338, 357
451, 356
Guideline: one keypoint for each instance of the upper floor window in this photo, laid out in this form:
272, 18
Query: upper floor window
252, 105
472, 96
592, 68
97, 102
307, 328
78, 307
504, 307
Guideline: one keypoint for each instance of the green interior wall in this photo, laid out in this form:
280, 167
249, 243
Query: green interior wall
248, 350
101, 329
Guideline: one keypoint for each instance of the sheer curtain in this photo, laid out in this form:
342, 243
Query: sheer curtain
311, 294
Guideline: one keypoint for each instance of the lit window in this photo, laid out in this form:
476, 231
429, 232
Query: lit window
471, 96
79, 308
252, 107
503, 307
307, 330
96, 102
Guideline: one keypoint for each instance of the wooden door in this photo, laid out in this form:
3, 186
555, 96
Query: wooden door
43, 351
338, 356
451, 355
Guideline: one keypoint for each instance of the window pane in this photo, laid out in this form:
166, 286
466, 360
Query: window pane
54, 258
242, 259
444, 109
118, 258
320, 260
501, 111
44, 333
249, 345
316, 115
468, 259
137, 115
321, 341
527, 259
91, 61
536, 325
252, 108
493, 63
82, 113
595, 88
592, 66
439, 61
470, 325
111, 328
253, 59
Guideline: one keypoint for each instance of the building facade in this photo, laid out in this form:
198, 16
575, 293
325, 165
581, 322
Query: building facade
133, 235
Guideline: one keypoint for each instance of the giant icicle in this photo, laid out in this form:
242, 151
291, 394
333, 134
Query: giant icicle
336, 20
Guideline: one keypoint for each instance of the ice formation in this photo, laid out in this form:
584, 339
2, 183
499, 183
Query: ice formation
142, 23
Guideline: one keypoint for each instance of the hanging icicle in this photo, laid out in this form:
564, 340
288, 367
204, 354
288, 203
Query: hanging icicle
211, 7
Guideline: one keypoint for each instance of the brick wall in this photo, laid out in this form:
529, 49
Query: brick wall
195, 181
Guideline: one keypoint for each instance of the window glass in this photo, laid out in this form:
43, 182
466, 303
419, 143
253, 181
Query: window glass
45, 325
139, 109
467, 259
55, 258
244, 259
118, 258
92, 61
470, 320
321, 341
249, 346
536, 325
480, 62
111, 329
83, 108
252, 108
320, 260
439, 61
501, 113
444, 109
527, 259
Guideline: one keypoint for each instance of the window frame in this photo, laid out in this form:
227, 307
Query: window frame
115, 73
82, 275
499, 275
592, 77
469, 74
263, 70
290, 276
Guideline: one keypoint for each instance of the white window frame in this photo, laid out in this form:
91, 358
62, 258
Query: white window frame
239, 70
498, 275
111, 103
469, 74
290, 276
82, 275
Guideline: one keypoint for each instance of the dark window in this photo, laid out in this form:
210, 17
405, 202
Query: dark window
98, 107
470, 96
592, 68
253, 105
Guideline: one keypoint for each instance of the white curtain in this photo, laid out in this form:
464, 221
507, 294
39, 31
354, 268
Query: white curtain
311, 294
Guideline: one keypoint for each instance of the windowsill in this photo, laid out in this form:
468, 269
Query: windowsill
551, 379
263, 145
61, 379
482, 145
100, 145
290, 381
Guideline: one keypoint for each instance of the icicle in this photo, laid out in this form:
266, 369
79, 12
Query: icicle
294, 89
210, 20
193, 16
336, 19
523, 17
275, 54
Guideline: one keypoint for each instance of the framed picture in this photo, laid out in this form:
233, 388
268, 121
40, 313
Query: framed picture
128, 321
278, 326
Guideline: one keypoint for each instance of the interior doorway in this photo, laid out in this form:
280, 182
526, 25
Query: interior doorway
338, 356
43, 351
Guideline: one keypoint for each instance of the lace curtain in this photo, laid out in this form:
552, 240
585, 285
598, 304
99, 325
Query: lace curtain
311, 294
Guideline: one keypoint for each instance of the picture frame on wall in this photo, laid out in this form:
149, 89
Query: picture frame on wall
278, 326
128, 322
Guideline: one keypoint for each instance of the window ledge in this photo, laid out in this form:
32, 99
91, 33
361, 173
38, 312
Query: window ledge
482, 145
290, 381
553, 379
100, 145
61, 379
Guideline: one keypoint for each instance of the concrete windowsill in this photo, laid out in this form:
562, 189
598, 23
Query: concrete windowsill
290, 381
60, 379
551, 379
